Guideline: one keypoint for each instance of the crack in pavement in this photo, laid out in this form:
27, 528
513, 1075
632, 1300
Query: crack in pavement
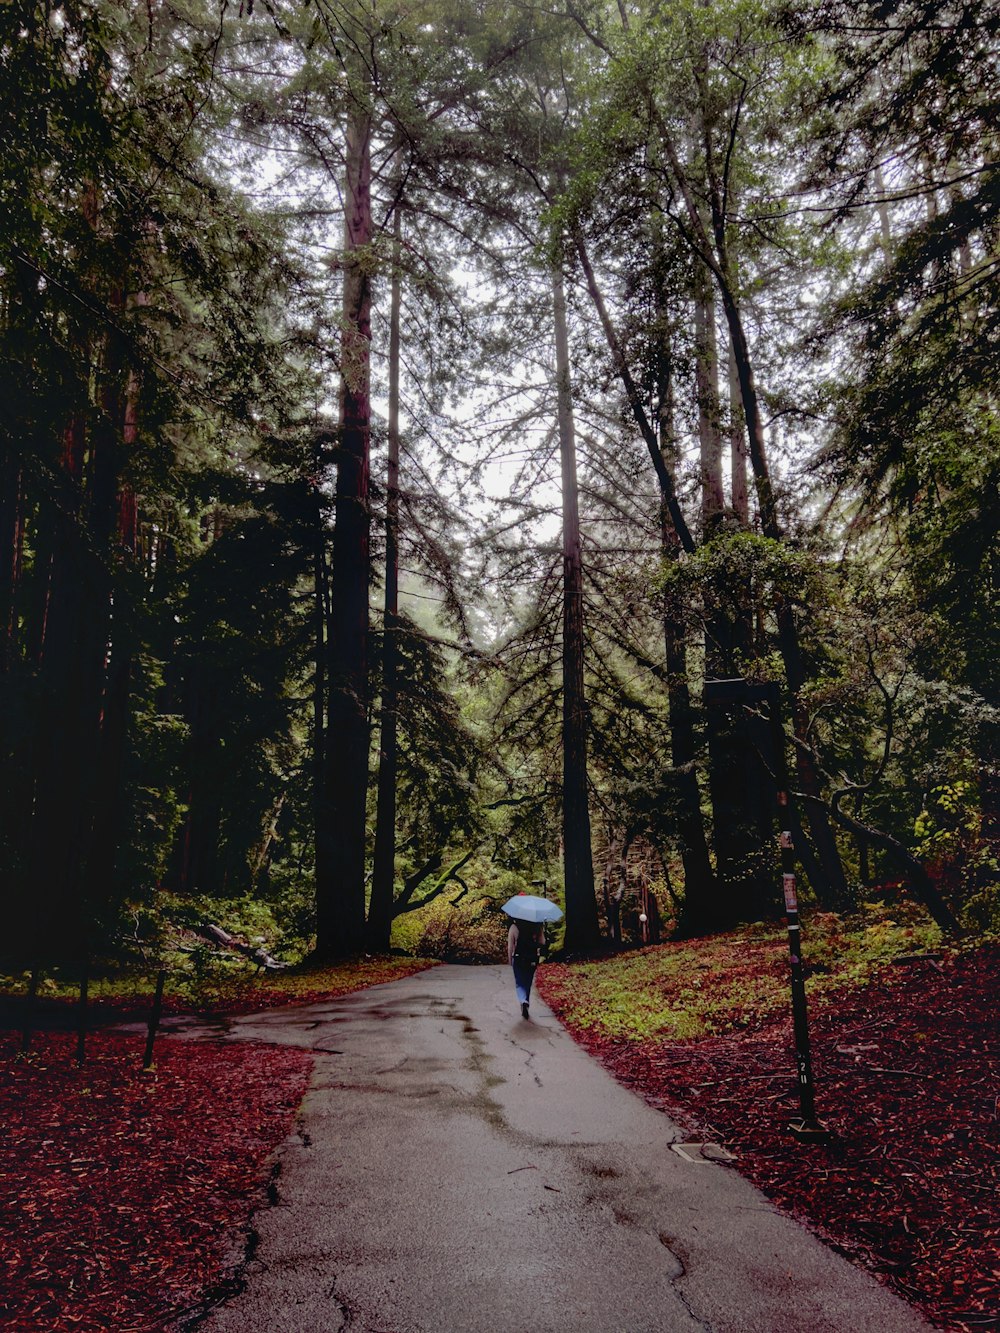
529, 1060
671, 1247
346, 1312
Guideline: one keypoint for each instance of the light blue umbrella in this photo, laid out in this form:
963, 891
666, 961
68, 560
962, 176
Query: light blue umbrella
526, 907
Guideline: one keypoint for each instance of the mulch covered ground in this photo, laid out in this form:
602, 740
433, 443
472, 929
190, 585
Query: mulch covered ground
125, 1195
122, 1193
906, 1072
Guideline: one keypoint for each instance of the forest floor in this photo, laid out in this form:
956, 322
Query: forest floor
125, 1194
904, 1054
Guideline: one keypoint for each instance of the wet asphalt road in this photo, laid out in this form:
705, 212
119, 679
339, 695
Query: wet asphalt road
456, 1169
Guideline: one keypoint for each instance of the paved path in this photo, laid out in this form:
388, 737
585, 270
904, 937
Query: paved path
458, 1170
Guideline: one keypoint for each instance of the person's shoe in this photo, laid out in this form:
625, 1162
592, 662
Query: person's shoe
524, 1008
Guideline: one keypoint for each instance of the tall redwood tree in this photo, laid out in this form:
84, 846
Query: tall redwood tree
340, 837
582, 926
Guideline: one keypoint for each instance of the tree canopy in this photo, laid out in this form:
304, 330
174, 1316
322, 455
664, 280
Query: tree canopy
407, 410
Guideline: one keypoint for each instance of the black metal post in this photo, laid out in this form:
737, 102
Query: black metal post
81, 1019
807, 1127
154, 1020
741, 692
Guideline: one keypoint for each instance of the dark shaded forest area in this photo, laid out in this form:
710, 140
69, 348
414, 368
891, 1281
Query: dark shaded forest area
407, 410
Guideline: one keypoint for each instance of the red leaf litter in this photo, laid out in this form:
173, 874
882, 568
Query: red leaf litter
906, 1076
121, 1191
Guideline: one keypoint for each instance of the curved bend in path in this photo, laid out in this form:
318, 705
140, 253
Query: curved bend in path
458, 1170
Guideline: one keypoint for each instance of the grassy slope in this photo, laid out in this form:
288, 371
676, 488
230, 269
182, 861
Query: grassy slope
723, 983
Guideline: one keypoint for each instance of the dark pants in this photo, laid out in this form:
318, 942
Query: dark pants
524, 975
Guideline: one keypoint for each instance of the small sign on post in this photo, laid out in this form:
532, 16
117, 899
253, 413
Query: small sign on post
808, 1127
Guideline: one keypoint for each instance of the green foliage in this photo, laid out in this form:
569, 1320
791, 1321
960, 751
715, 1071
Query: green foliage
238, 655
949, 822
949, 835
473, 931
726, 561
917, 434
736, 570
982, 909
439, 754
139, 356
156, 808
851, 950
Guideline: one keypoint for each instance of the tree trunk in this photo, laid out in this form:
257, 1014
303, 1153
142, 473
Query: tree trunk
668, 490
832, 889
107, 787
341, 838
384, 858
701, 892
320, 650
712, 250
743, 887
582, 926
700, 888
675, 529
709, 431
11, 547
74, 646
737, 447
743, 621
51, 638
73, 668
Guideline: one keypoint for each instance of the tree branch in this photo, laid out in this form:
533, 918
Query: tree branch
635, 402
403, 903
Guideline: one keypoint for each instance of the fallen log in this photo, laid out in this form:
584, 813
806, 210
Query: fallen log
210, 931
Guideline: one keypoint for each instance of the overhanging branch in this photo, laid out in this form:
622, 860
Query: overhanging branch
924, 887
405, 903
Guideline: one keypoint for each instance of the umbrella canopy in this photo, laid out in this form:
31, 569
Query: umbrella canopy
526, 907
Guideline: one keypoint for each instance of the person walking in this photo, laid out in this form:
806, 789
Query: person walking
525, 941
